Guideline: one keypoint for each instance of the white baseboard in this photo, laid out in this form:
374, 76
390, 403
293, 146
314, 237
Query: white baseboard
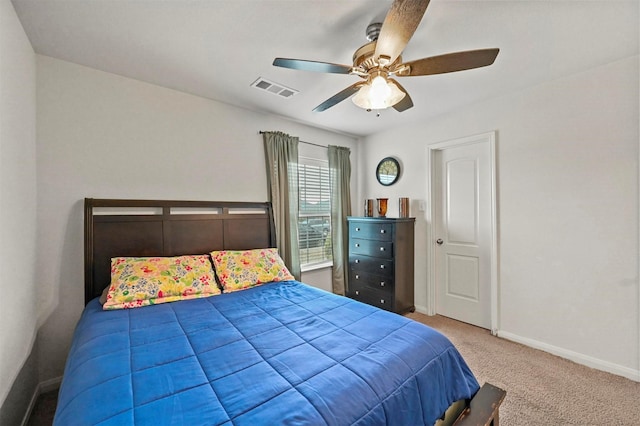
577, 357
421, 310
49, 385
32, 404
43, 387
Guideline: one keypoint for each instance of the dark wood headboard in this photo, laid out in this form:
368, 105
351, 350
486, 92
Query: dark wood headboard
116, 228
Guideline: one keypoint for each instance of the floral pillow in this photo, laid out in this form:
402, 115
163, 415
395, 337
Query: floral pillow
238, 270
142, 281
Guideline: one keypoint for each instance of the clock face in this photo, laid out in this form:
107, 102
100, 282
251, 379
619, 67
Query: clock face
388, 171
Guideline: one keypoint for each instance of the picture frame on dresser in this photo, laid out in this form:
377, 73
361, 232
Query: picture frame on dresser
381, 262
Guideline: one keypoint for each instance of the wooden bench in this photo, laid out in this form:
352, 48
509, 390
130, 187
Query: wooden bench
484, 408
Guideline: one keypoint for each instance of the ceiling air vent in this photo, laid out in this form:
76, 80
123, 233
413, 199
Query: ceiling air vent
274, 88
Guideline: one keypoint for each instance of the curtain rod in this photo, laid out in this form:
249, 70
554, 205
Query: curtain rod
308, 143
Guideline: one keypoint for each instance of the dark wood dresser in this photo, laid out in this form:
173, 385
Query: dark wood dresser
381, 262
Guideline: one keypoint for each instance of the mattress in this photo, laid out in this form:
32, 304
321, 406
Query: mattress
280, 353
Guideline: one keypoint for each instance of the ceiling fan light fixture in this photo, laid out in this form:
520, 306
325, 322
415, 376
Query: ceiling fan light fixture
378, 93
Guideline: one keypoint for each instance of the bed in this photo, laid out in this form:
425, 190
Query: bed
276, 353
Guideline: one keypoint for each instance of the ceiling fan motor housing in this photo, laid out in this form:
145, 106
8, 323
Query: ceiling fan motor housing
364, 58
373, 31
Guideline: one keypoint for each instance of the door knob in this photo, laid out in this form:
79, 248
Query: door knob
439, 241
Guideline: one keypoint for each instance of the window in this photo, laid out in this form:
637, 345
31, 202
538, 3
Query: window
314, 220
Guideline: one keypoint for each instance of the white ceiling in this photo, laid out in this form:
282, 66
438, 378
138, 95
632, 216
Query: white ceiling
217, 48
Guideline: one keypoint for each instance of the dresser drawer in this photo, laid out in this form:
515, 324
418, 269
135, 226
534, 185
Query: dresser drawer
375, 265
374, 248
371, 231
364, 279
383, 300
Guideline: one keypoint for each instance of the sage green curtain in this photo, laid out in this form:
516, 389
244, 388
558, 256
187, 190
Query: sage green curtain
281, 154
340, 178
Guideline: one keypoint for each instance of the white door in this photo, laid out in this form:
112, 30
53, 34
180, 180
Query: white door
463, 230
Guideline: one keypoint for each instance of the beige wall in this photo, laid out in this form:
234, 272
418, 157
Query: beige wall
568, 193
567, 206
18, 308
106, 136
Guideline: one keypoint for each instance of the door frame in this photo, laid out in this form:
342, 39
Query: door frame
490, 138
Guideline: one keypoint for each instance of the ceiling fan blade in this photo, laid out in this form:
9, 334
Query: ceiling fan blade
406, 102
304, 65
451, 62
339, 97
398, 27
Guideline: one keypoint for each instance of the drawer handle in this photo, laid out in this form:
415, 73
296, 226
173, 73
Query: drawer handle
382, 231
381, 283
357, 261
381, 248
357, 277
357, 245
357, 293
381, 266
382, 301
357, 229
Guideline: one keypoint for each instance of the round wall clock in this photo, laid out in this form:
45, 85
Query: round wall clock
388, 171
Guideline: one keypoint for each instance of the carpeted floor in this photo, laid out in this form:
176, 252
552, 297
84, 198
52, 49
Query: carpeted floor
542, 389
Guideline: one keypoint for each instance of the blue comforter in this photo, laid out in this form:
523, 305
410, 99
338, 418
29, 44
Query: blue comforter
281, 353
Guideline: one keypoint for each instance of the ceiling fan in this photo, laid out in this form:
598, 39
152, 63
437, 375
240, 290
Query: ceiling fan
377, 61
